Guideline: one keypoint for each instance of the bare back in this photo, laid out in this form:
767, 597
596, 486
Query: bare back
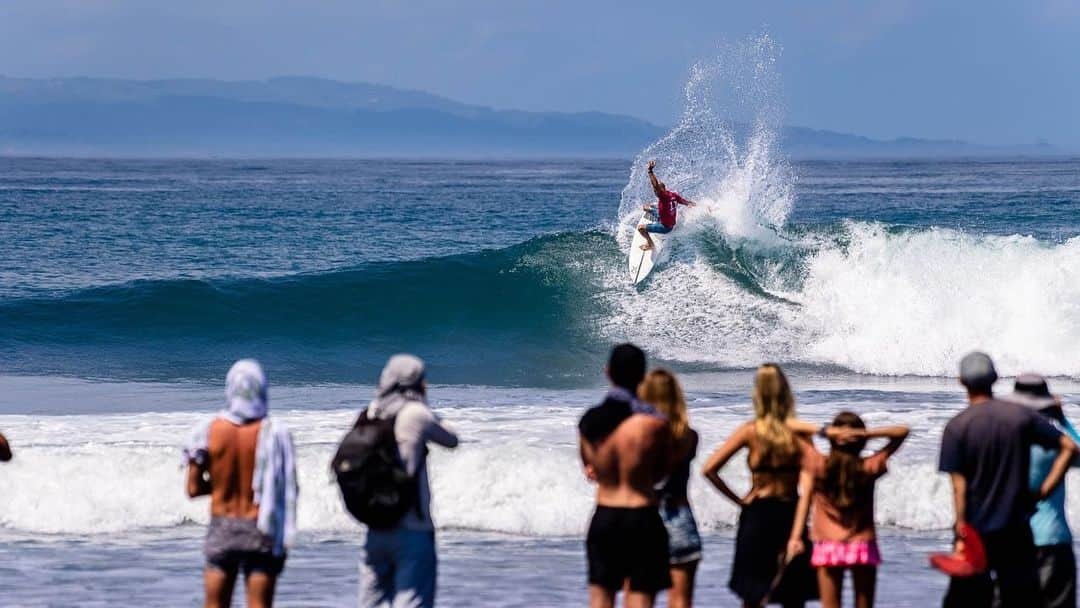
231, 465
631, 461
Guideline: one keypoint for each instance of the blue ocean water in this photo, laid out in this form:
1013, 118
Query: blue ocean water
127, 287
168, 270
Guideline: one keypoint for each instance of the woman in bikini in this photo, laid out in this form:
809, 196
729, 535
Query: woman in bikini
766, 569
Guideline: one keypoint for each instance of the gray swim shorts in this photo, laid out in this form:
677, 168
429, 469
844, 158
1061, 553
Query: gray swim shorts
235, 543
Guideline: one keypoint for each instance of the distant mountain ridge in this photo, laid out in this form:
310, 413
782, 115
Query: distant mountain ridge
303, 116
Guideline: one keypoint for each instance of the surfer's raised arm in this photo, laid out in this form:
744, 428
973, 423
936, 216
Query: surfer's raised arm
661, 189
657, 187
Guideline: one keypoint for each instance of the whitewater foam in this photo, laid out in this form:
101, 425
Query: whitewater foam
913, 302
723, 152
517, 470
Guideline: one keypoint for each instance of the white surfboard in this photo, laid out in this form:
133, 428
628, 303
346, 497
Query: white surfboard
641, 262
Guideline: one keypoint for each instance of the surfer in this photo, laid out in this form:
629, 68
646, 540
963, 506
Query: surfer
664, 211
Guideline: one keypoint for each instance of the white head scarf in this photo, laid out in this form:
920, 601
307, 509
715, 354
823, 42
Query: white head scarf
245, 392
401, 381
273, 483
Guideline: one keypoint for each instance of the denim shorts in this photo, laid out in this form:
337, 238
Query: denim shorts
655, 226
684, 542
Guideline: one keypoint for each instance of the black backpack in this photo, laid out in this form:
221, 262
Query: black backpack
374, 484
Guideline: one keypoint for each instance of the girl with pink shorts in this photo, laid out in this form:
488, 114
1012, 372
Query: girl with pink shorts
842, 522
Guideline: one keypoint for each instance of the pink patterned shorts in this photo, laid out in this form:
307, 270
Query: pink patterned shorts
835, 553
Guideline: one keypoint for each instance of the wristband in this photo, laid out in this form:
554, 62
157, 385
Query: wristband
821, 432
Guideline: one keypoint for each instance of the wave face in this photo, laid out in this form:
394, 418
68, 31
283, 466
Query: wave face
862, 296
495, 314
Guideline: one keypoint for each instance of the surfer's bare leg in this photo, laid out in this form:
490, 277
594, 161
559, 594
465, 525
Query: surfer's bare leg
648, 239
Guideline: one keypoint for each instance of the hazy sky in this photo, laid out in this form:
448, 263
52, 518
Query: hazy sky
984, 71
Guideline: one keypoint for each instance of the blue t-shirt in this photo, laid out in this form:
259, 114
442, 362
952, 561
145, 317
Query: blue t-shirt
1049, 525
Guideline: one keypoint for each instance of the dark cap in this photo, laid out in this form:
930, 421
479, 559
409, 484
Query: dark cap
977, 371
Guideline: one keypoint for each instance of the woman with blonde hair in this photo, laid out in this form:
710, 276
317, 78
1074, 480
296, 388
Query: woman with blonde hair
661, 390
771, 565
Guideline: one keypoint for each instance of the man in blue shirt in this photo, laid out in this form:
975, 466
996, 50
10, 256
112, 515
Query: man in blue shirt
1049, 526
986, 450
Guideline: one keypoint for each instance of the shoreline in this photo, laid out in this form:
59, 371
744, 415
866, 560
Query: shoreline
475, 568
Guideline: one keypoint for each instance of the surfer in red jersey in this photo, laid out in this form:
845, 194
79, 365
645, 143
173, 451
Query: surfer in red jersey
664, 211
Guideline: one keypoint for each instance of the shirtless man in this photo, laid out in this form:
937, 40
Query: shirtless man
5, 449
248, 531
664, 210
626, 454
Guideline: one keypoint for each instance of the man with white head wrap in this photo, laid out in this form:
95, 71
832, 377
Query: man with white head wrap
245, 461
398, 564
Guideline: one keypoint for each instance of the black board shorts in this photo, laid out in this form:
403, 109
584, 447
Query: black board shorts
628, 544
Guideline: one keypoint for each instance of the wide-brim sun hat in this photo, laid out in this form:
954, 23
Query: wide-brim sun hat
1032, 391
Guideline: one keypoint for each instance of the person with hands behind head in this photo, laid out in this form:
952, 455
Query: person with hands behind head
842, 526
664, 212
770, 564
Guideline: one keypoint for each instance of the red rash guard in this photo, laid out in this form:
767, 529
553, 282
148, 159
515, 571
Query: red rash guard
667, 204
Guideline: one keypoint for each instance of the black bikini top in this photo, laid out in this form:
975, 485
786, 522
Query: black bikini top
771, 468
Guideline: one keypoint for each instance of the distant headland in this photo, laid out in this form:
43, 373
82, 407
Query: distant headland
313, 117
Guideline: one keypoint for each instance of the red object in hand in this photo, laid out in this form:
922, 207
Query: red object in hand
968, 560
